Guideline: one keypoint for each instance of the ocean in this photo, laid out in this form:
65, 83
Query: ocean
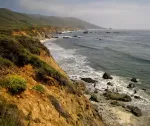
122, 53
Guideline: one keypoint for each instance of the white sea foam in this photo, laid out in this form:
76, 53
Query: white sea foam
76, 66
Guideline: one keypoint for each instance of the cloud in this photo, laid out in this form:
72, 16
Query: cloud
118, 14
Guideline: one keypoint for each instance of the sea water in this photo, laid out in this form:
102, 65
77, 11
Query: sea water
122, 53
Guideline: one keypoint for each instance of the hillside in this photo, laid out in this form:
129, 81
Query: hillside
20, 20
34, 90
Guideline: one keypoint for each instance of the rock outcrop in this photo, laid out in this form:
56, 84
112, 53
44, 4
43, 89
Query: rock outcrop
107, 76
134, 79
131, 85
89, 80
135, 110
117, 96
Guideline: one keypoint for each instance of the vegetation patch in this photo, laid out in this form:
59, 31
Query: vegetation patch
14, 83
9, 114
5, 63
39, 88
32, 45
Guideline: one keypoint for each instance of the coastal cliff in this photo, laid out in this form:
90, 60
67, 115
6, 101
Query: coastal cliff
34, 90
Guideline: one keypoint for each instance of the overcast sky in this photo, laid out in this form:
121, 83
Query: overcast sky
124, 14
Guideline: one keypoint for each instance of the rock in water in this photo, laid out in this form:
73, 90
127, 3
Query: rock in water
135, 110
89, 80
110, 84
131, 85
107, 76
137, 97
134, 79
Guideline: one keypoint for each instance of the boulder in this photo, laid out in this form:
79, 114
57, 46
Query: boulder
95, 97
135, 110
137, 97
144, 89
131, 85
134, 79
117, 96
110, 84
107, 76
85, 32
135, 91
75, 36
65, 37
89, 80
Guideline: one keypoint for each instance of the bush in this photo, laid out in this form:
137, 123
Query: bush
5, 62
36, 62
13, 51
30, 44
39, 88
14, 83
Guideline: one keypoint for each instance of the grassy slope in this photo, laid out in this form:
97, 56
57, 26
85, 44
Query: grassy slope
37, 90
19, 20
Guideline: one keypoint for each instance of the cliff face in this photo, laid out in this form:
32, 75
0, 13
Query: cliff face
34, 90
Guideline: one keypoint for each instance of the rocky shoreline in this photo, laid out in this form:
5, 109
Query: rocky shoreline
113, 106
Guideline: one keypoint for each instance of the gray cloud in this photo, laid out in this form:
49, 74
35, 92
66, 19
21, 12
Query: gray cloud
123, 14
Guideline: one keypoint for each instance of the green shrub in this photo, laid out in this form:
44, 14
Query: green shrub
32, 45
13, 51
36, 62
45, 70
14, 83
5, 62
39, 88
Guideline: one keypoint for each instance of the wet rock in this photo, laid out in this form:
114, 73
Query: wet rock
55, 37
134, 79
117, 96
144, 89
107, 76
135, 110
65, 37
95, 97
137, 97
131, 85
89, 80
135, 91
110, 84
85, 32
75, 36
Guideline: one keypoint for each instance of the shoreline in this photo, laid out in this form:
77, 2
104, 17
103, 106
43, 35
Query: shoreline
112, 115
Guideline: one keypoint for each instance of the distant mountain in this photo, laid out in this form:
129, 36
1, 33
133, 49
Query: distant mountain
12, 19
